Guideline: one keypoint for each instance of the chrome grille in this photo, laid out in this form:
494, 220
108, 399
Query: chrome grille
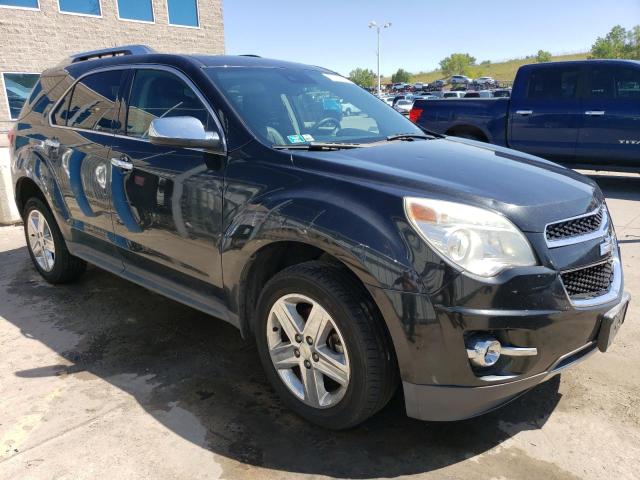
589, 282
575, 227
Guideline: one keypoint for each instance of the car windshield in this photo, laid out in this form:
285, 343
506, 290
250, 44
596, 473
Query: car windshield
288, 106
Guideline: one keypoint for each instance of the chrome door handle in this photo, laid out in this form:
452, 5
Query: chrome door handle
123, 164
524, 112
594, 113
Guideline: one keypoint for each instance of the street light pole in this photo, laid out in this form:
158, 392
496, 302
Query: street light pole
374, 24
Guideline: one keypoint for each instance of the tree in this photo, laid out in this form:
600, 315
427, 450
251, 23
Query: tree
401, 76
543, 56
618, 43
363, 77
457, 64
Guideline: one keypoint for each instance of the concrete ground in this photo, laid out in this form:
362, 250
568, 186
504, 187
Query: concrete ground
102, 379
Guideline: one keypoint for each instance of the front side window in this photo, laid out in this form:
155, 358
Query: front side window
285, 106
20, 3
627, 82
139, 10
93, 103
17, 88
80, 7
183, 12
159, 94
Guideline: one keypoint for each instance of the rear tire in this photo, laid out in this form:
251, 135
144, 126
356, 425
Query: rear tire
46, 245
365, 369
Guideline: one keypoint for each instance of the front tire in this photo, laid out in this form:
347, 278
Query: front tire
46, 245
323, 346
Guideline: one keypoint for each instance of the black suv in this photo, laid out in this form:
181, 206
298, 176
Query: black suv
359, 251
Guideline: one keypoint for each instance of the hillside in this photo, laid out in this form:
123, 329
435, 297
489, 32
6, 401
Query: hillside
503, 71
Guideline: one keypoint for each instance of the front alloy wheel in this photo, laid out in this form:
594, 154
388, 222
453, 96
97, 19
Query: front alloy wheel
324, 346
308, 350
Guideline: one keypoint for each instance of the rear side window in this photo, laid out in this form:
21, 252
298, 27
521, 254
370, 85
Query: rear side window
627, 83
554, 83
92, 105
157, 94
18, 87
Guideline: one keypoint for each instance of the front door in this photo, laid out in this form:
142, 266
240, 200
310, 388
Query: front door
167, 202
545, 117
610, 133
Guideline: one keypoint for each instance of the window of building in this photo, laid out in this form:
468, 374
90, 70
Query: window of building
17, 87
155, 94
138, 10
28, 4
80, 7
92, 104
183, 13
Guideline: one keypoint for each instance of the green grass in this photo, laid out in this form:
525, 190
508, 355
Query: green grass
503, 71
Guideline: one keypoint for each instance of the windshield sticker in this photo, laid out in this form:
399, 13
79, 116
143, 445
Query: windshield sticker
296, 139
307, 138
336, 78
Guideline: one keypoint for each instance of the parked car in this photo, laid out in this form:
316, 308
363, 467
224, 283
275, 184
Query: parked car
454, 94
438, 84
349, 109
459, 80
583, 114
479, 94
404, 106
485, 82
417, 87
356, 257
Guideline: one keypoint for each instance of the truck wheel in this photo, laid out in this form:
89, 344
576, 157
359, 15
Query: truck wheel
323, 346
46, 246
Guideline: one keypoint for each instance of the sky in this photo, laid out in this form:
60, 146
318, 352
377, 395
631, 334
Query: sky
335, 34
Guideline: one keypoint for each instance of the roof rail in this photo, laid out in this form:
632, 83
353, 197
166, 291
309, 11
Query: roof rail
110, 52
250, 55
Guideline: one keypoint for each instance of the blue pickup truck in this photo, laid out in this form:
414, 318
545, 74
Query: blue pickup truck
585, 114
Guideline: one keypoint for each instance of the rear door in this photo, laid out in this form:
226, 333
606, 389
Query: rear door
167, 201
610, 133
83, 127
545, 113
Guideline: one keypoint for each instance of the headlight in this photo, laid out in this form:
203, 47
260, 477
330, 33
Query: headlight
477, 240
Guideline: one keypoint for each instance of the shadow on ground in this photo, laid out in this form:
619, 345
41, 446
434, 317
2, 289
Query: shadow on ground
201, 365
620, 187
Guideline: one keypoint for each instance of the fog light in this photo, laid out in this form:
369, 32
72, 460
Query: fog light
483, 351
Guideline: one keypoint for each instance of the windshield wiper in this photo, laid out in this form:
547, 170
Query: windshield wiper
407, 136
318, 146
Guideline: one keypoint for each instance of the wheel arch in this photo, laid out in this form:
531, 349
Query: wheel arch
468, 131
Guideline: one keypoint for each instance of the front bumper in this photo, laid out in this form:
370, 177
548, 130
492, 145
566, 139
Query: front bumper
449, 403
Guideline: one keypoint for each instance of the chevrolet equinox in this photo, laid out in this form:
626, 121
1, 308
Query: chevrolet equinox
359, 251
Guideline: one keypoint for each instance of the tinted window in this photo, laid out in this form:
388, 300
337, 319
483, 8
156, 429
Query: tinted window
93, 103
141, 10
17, 87
20, 3
609, 82
553, 84
183, 12
84, 7
627, 82
156, 94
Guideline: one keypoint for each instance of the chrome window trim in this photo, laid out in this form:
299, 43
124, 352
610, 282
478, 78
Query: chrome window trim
144, 66
612, 293
604, 226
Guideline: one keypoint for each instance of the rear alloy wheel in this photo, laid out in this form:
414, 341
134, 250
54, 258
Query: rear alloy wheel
41, 240
46, 245
324, 346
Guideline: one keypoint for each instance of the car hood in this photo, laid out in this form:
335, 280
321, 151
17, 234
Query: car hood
528, 190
